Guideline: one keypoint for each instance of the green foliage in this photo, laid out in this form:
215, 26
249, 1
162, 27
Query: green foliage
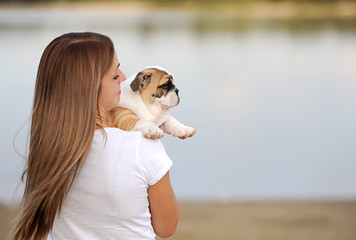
175, 1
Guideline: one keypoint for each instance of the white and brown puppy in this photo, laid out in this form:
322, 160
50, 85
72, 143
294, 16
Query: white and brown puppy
145, 101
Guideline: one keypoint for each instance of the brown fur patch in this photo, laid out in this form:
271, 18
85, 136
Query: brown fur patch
122, 118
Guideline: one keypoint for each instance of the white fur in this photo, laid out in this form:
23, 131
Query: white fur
154, 118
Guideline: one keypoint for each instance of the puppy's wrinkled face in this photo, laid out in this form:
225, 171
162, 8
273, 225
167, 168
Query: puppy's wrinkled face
156, 86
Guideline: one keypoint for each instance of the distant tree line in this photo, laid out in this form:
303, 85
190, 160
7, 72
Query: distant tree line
173, 1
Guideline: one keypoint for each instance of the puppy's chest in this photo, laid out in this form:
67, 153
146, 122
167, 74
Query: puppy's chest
157, 116
158, 122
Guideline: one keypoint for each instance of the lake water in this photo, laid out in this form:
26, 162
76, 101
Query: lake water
274, 108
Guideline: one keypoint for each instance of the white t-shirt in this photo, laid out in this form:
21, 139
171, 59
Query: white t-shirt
108, 199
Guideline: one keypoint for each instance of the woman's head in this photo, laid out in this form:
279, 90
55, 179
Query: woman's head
62, 126
70, 71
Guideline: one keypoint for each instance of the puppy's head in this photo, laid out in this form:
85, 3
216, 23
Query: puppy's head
156, 86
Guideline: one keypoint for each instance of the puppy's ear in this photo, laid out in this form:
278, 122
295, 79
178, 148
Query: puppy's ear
142, 80
135, 83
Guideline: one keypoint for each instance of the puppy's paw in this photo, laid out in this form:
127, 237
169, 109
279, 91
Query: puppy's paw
151, 131
184, 132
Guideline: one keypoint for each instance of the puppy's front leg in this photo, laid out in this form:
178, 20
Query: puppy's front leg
148, 129
177, 129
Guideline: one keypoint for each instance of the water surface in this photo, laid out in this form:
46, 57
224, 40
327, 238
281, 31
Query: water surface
274, 107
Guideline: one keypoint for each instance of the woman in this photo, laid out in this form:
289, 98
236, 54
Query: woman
83, 179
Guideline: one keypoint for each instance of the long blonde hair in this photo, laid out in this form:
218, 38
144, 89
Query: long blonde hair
62, 126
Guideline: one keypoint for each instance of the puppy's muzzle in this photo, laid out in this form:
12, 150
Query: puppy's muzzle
177, 91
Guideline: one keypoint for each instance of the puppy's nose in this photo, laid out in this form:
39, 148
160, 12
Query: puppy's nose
176, 91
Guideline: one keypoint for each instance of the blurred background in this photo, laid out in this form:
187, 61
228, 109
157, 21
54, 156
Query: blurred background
269, 85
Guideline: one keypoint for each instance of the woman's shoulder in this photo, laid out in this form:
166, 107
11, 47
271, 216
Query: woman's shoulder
116, 134
114, 131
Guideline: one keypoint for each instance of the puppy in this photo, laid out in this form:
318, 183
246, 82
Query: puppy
145, 101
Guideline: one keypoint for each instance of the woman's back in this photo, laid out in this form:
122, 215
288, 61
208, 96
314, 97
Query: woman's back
109, 199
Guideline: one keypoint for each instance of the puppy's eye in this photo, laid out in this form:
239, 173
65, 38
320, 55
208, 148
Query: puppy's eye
164, 86
146, 76
116, 77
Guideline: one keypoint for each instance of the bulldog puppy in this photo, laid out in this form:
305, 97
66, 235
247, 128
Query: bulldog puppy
145, 101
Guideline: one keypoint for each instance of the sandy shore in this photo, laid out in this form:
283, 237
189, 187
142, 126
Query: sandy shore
255, 221
6, 216
268, 221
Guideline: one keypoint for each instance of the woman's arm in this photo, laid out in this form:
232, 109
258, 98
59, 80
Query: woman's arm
163, 207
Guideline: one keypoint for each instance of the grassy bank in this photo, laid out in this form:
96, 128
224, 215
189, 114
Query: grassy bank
200, 17
255, 221
252, 9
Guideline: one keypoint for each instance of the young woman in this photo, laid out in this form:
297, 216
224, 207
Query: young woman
85, 180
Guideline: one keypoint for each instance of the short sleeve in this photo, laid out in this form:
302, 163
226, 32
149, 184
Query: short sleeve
153, 159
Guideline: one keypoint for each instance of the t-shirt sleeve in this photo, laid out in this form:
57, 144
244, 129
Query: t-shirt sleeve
153, 159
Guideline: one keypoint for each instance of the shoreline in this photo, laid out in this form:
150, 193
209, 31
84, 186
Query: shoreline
251, 10
196, 17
